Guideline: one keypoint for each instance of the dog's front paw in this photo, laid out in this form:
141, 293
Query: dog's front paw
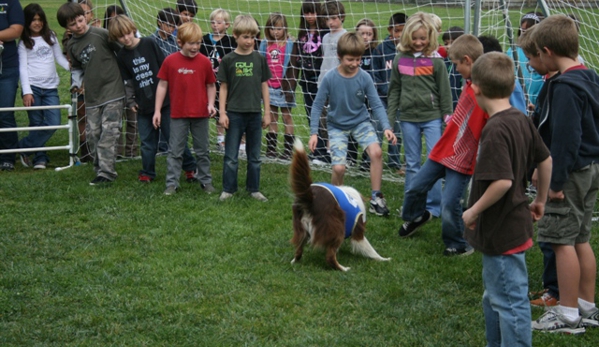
293, 261
343, 268
384, 259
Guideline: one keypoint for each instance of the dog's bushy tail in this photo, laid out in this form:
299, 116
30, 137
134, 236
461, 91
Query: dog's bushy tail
300, 174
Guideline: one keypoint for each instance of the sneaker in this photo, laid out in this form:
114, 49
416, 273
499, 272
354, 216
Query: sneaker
378, 205
144, 179
258, 196
40, 166
99, 180
220, 147
409, 228
6, 166
208, 188
25, 160
460, 252
590, 319
170, 190
224, 196
536, 294
554, 322
190, 176
546, 300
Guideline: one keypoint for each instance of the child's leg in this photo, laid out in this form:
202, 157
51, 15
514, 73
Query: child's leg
200, 132
230, 160
376, 165
452, 225
289, 131
131, 134
414, 203
432, 133
38, 138
111, 123
149, 145
273, 133
274, 119
253, 141
413, 150
84, 154
179, 132
338, 140
505, 300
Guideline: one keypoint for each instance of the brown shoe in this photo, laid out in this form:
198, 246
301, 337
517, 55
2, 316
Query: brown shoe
547, 300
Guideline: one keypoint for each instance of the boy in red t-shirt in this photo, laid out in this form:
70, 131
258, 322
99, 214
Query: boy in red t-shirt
190, 81
453, 157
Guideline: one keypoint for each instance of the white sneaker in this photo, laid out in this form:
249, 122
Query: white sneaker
553, 321
258, 196
224, 196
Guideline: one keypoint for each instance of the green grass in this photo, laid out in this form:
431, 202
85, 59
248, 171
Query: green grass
125, 265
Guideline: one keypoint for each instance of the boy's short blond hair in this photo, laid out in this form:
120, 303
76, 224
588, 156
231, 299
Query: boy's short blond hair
413, 24
437, 22
493, 73
527, 43
466, 45
350, 44
189, 32
559, 34
220, 13
334, 8
245, 24
120, 26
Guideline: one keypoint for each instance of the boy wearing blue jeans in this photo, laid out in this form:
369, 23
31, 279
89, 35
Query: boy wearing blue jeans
499, 220
94, 64
570, 128
243, 76
346, 89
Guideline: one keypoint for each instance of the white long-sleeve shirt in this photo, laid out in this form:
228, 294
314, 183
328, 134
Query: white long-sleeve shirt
37, 66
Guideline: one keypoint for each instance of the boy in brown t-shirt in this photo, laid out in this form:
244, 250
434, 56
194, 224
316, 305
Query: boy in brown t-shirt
499, 220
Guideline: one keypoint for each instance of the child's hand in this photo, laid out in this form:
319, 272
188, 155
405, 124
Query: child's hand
223, 120
390, 136
134, 108
28, 100
312, 142
266, 120
469, 219
211, 110
537, 210
156, 119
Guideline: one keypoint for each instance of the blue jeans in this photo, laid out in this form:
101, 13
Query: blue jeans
149, 142
414, 203
9, 81
505, 301
394, 151
38, 138
251, 125
412, 132
549, 269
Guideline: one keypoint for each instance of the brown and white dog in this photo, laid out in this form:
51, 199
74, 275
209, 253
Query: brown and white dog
318, 218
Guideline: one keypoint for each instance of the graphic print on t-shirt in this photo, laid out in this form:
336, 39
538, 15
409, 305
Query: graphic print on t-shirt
244, 69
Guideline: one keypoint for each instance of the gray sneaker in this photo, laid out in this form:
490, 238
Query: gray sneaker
208, 188
553, 321
258, 196
170, 190
590, 319
224, 196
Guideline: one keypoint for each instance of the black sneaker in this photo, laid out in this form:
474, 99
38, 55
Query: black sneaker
461, 252
99, 180
378, 206
6, 166
409, 228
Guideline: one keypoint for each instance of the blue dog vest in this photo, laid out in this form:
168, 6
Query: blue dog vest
348, 204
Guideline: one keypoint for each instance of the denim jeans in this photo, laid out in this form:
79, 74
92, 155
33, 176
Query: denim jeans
411, 132
179, 134
149, 143
251, 125
549, 269
505, 301
394, 151
414, 203
9, 81
38, 138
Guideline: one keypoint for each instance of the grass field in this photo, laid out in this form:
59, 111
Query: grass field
125, 265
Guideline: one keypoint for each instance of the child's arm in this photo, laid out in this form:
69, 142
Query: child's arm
211, 91
161, 90
543, 173
28, 99
223, 120
394, 91
266, 99
58, 56
494, 192
289, 83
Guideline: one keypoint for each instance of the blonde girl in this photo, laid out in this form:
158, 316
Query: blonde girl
419, 89
277, 47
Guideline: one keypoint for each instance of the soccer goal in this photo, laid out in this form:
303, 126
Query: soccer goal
499, 18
